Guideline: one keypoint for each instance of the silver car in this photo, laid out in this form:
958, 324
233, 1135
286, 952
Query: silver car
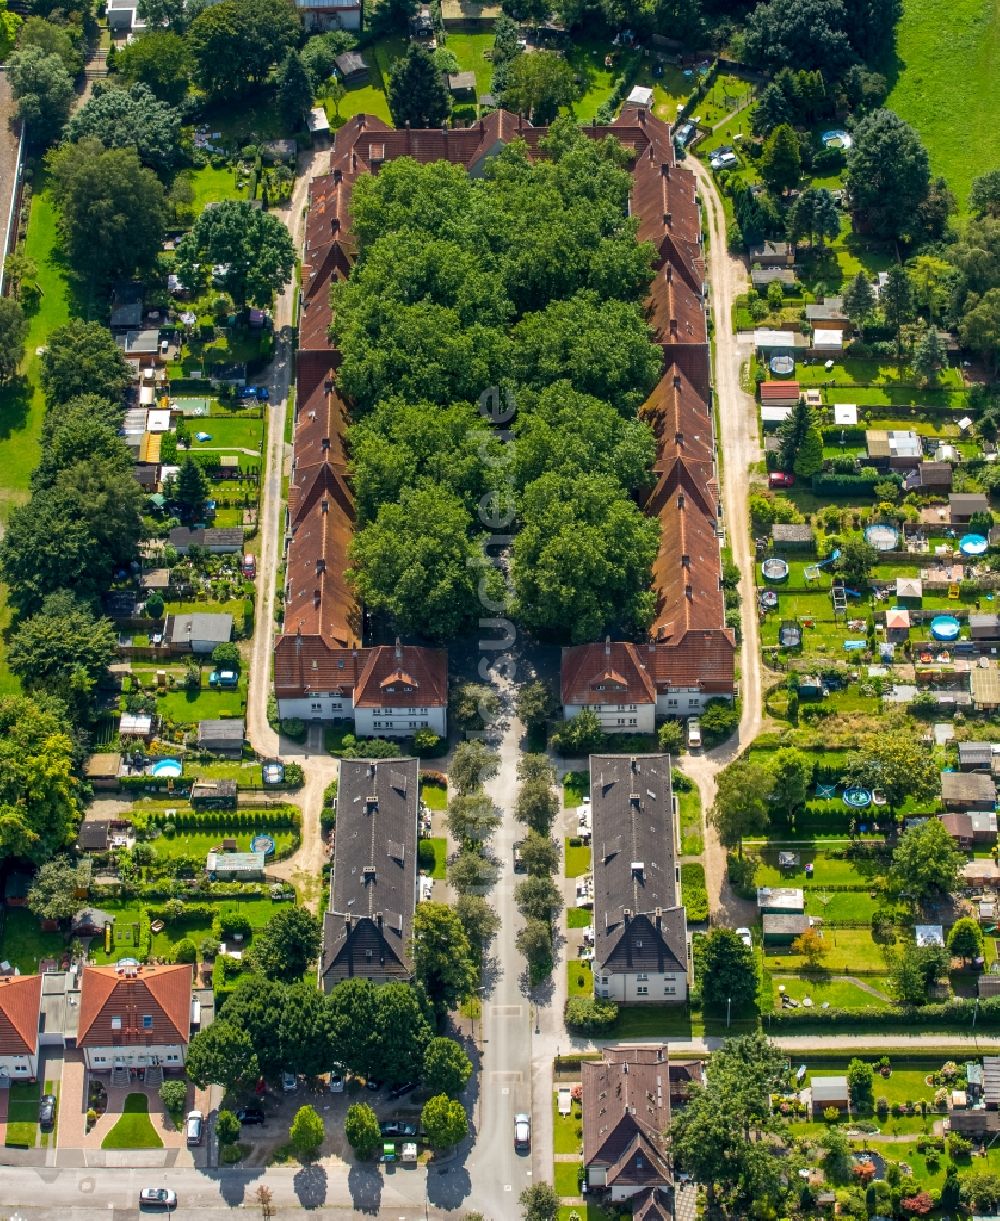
157, 1197
522, 1132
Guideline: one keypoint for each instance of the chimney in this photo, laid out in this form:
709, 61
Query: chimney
326, 506
642, 114
677, 381
668, 219
689, 592
673, 327
317, 598
670, 273
338, 175
335, 225
679, 439
320, 566
326, 442
607, 646
685, 561
664, 168
399, 650
680, 500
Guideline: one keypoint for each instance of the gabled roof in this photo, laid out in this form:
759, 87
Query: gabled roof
626, 1110
20, 1005
637, 921
605, 673
403, 676
306, 663
367, 929
116, 1002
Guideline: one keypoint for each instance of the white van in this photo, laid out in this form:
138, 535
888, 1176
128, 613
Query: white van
194, 1128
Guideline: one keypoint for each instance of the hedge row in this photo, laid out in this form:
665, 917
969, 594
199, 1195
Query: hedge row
944, 1015
280, 817
844, 485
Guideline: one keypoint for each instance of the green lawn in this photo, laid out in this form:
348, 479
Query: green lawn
579, 917
689, 803
577, 971
947, 85
190, 707
440, 845
586, 1212
434, 796
839, 994
576, 786
565, 1138
694, 894
848, 950
213, 186
23, 943
22, 1114
134, 1130
198, 843
565, 1178
577, 860
230, 433
125, 944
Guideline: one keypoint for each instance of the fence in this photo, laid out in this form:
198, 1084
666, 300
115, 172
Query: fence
10, 230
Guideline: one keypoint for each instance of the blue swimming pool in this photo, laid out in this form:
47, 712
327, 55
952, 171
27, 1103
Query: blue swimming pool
167, 767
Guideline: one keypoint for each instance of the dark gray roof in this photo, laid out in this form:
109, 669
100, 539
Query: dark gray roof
126, 307
350, 63
211, 536
975, 754
969, 502
367, 930
199, 626
93, 835
638, 923
967, 786
792, 532
785, 922
221, 731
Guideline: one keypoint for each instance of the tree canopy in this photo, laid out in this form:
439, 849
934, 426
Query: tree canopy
13, 333
53, 892
728, 970
895, 762
39, 800
130, 118
741, 802
443, 958
254, 247
159, 60
82, 358
43, 90
538, 85
417, 92
235, 44
888, 175
799, 34
287, 944
926, 862
223, 1055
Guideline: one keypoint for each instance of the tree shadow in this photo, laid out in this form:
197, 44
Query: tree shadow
15, 406
310, 1185
365, 1185
449, 1185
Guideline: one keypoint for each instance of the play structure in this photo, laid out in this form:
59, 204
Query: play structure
837, 139
811, 572
775, 569
262, 843
790, 635
882, 536
945, 627
167, 767
769, 599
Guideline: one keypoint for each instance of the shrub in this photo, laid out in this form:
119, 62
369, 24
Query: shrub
185, 951
587, 1015
294, 728
294, 775
425, 855
426, 743
719, 721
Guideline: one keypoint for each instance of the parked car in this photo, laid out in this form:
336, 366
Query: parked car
249, 567
374, 1084
397, 1127
47, 1112
157, 1197
289, 1083
336, 1083
745, 936
250, 1115
694, 733
518, 859
401, 1091
779, 479
263, 394
522, 1133
194, 1128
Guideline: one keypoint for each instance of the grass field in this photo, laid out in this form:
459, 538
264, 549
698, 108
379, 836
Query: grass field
838, 994
22, 1114
213, 186
693, 892
848, 950
134, 1130
578, 917
692, 843
199, 843
580, 978
190, 707
564, 1137
577, 860
576, 786
565, 1180
440, 845
23, 943
947, 85
434, 796
236, 433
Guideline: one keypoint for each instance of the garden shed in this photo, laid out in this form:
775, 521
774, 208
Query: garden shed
782, 929
845, 414
214, 794
897, 449
102, 769
984, 627
462, 84
929, 934
963, 506
351, 68
975, 756
910, 588
796, 536
936, 476
780, 899
760, 277
968, 791
136, 725
772, 254
235, 866
986, 687
829, 1092
972, 828
224, 737
199, 632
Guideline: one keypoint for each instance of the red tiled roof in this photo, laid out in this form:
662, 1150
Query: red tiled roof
20, 1004
698, 659
626, 1111
114, 1006
602, 673
304, 664
778, 392
675, 311
403, 676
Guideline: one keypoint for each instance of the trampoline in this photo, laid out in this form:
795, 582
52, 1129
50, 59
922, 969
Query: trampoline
790, 636
262, 843
837, 139
775, 569
826, 791
782, 366
945, 627
882, 536
273, 772
167, 767
857, 799
768, 599
973, 544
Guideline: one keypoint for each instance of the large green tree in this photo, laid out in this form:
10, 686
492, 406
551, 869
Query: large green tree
362, 1130
417, 93
53, 894
741, 804
235, 44
287, 945
800, 34
158, 59
86, 424
39, 800
64, 650
417, 564
472, 764
728, 970
221, 1054
295, 94
443, 959
130, 118
43, 90
112, 211
894, 762
82, 358
307, 1131
888, 175
538, 85
925, 863
472, 817
781, 161
447, 1068
984, 198
253, 248
190, 491
53, 39
13, 333
444, 1121
896, 302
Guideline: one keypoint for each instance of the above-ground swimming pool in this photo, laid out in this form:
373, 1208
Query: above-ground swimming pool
882, 536
837, 139
945, 627
262, 843
973, 544
782, 366
273, 772
857, 799
775, 569
167, 767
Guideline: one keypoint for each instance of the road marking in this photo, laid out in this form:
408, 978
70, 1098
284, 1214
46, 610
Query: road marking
498, 1075
506, 1187
507, 1010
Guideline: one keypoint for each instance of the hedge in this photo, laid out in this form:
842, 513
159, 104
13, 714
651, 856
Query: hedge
280, 817
853, 435
586, 1015
844, 485
946, 1014
694, 892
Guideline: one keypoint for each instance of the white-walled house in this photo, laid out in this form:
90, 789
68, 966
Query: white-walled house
321, 15
135, 1017
20, 1007
640, 948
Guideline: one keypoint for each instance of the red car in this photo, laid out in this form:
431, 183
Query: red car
778, 479
249, 567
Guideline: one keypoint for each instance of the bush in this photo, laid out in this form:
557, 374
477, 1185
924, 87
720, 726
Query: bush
671, 737
425, 855
719, 721
173, 1095
426, 744
294, 775
185, 951
587, 1015
294, 728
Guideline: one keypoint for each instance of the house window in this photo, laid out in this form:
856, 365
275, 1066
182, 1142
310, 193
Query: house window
147, 1021
116, 1023
671, 703
316, 707
376, 724
20, 1068
642, 990
172, 1057
669, 989
633, 721
693, 701
642, 976
100, 1059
